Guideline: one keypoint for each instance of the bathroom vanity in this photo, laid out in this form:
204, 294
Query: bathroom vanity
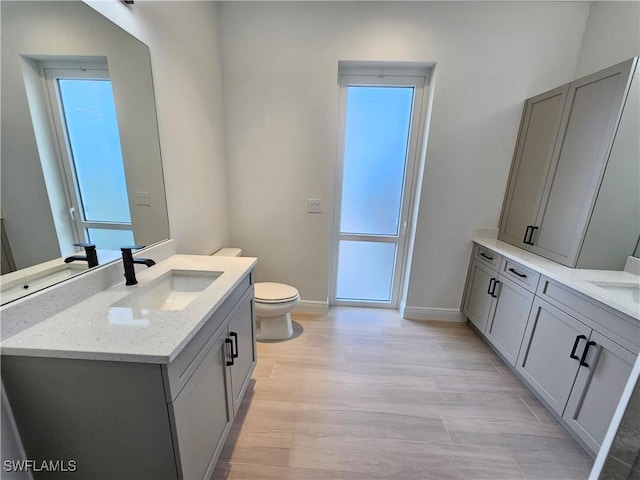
142, 381
571, 335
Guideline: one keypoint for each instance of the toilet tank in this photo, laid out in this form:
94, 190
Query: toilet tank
228, 252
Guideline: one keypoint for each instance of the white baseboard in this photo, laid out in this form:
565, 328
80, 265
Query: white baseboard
311, 306
440, 314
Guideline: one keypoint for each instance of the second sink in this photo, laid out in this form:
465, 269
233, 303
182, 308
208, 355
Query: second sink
624, 291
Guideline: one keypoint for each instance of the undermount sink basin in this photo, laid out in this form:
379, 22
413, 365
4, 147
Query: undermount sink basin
37, 281
621, 291
172, 291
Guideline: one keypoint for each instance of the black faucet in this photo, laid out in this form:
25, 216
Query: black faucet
128, 261
90, 256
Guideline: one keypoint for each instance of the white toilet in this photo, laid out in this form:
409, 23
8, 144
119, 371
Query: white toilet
273, 303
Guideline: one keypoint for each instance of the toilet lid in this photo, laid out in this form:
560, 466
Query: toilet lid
271, 292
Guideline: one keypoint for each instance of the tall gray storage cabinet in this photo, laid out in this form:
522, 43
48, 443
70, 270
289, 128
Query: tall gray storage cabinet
575, 175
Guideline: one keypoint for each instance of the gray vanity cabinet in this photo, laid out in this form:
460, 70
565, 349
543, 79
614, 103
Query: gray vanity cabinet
509, 319
597, 389
548, 359
574, 352
120, 419
202, 413
577, 356
558, 192
497, 306
478, 301
203, 410
241, 331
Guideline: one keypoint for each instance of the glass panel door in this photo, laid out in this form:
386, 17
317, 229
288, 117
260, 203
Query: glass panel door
379, 143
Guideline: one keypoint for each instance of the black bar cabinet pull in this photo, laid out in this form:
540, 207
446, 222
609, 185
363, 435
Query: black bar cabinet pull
230, 362
514, 271
482, 254
584, 354
235, 342
495, 285
528, 234
575, 346
491, 284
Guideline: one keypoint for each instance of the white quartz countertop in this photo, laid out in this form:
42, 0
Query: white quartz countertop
577, 279
93, 329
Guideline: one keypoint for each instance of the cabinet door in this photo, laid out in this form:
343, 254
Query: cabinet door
506, 328
477, 305
544, 359
594, 105
597, 389
202, 413
241, 330
534, 149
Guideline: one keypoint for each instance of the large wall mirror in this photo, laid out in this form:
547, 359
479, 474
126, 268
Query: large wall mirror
80, 148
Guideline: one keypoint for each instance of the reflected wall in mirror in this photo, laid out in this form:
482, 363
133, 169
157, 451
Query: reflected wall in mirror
43, 212
614, 228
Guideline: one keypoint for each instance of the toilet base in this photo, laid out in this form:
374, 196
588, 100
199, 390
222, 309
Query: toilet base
274, 328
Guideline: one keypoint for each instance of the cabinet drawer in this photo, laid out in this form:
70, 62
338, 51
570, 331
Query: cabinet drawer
179, 371
488, 257
519, 274
623, 330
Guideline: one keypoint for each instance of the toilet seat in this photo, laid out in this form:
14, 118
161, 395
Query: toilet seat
274, 293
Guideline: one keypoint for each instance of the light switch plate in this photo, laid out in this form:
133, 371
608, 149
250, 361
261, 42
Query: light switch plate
142, 198
315, 205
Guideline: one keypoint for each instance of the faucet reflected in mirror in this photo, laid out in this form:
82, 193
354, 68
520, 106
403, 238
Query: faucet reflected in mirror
90, 254
37, 208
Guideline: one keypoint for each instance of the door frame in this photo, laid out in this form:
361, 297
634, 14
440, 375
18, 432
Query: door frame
418, 78
50, 72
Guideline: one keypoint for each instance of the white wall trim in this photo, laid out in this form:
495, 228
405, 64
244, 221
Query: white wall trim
311, 306
439, 314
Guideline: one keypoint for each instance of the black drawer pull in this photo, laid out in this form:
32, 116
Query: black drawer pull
575, 347
229, 341
235, 342
584, 354
514, 271
482, 254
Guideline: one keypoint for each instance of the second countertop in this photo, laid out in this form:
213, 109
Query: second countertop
577, 279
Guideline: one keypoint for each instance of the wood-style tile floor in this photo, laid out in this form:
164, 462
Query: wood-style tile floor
362, 394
